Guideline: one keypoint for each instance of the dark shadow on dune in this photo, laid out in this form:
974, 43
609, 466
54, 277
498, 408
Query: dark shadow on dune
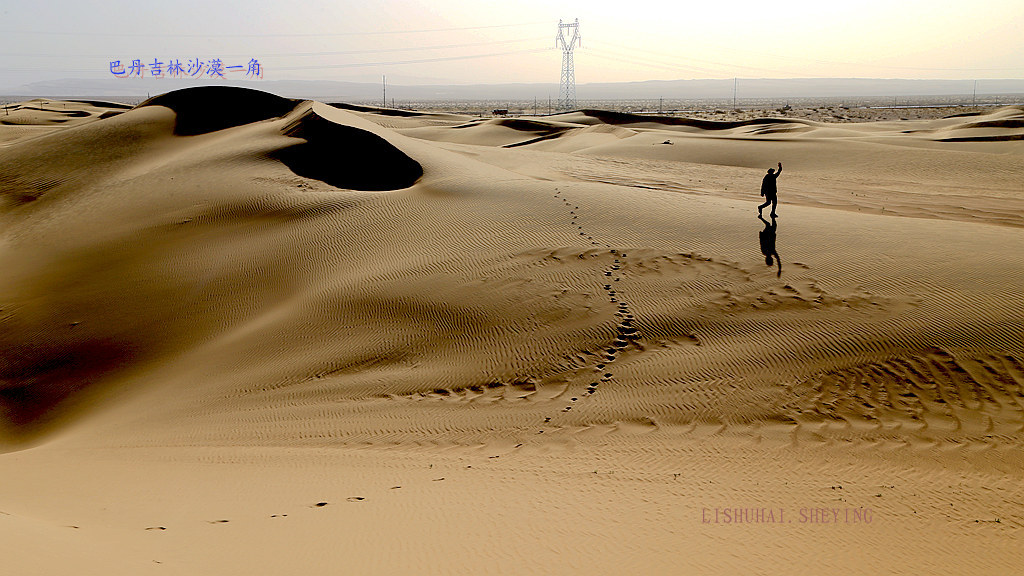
1015, 122
381, 111
1001, 123
207, 109
104, 104
962, 115
37, 387
346, 157
618, 118
767, 239
552, 136
530, 126
997, 138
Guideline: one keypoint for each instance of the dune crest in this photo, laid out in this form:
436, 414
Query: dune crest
206, 109
346, 157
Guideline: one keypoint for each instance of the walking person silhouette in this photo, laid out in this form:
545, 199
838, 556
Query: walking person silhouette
769, 190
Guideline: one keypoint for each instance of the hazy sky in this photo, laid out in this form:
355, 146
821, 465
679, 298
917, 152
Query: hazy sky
463, 41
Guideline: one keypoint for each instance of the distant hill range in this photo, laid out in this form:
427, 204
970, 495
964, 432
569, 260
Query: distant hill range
760, 88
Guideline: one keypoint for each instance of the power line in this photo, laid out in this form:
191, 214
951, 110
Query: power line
868, 65
676, 65
336, 66
624, 51
419, 60
600, 54
268, 35
306, 54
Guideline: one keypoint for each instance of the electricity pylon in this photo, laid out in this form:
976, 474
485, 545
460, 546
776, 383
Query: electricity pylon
567, 87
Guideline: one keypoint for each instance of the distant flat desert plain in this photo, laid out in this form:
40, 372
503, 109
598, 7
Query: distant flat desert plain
245, 334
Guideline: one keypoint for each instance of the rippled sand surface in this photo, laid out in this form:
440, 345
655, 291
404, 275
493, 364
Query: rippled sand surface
246, 334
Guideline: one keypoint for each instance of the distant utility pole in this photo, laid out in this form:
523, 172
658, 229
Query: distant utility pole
567, 87
384, 83
735, 84
974, 100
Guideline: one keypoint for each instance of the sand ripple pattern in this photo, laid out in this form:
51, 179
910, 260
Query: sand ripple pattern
936, 394
465, 301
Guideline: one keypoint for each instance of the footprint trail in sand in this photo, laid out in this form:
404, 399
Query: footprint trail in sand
626, 332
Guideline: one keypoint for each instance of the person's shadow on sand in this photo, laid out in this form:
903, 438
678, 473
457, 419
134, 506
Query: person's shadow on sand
767, 237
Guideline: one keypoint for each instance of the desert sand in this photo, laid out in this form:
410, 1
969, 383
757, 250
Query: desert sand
241, 334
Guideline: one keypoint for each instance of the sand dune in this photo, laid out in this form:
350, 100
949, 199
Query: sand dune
901, 168
38, 117
245, 333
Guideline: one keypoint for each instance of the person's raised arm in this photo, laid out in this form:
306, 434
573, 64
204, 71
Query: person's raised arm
780, 169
